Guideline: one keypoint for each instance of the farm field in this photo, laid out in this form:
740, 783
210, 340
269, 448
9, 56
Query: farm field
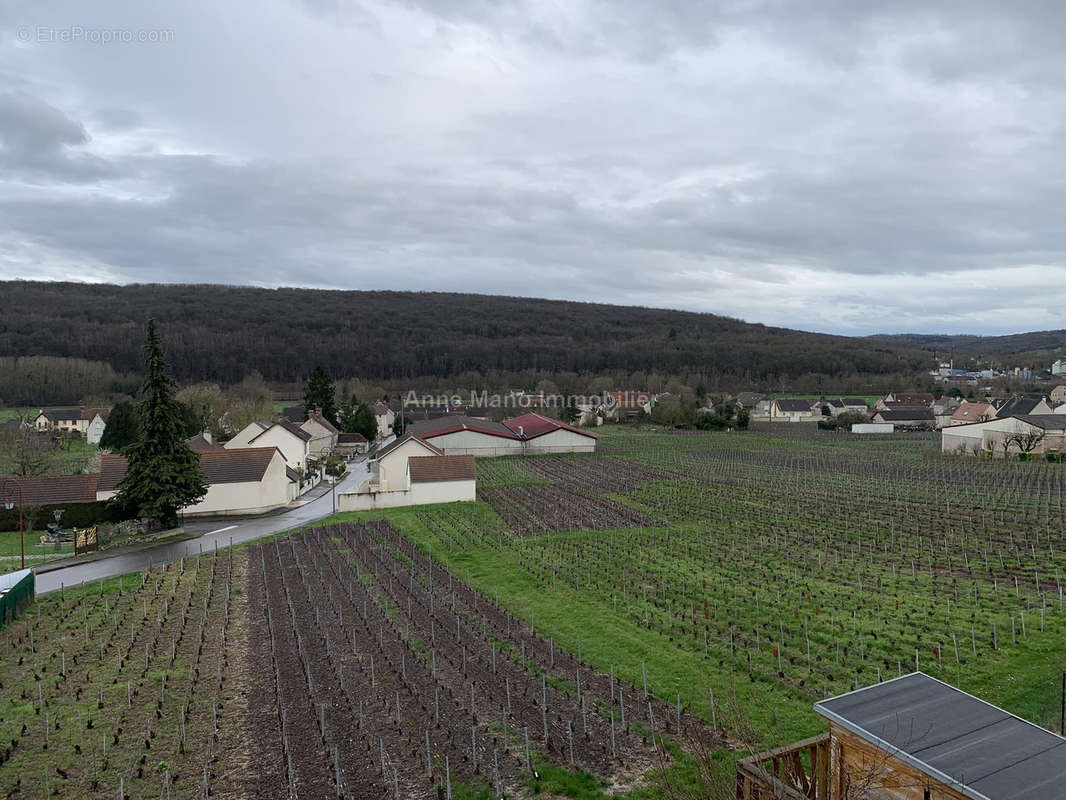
584, 607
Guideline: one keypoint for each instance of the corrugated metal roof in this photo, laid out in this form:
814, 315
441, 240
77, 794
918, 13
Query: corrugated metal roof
531, 425
457, 422
978, 749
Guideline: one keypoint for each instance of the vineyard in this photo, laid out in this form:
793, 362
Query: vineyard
125, 688
586, 610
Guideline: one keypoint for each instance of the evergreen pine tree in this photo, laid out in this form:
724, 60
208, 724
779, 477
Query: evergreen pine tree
122, 428
162, 475
319, 393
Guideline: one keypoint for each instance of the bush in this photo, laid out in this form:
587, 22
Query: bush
1054, 458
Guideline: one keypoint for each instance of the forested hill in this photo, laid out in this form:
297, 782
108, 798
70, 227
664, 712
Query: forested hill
221, 333
1014, 345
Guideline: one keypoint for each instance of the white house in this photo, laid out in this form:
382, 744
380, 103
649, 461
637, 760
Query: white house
293, 442
1058, 367
88, 421
250, 480
410, 472
388, 468
1023, 405
323, 434
385, 416
789, 410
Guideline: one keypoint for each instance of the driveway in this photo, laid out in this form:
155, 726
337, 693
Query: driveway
217, 533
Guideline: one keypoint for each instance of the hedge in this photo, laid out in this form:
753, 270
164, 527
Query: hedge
75, 515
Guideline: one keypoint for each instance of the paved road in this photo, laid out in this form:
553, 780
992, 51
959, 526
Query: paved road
217, 533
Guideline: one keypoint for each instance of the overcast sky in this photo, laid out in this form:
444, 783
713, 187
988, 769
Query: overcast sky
855, 168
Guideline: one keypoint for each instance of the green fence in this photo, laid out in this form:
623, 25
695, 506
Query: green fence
17, 590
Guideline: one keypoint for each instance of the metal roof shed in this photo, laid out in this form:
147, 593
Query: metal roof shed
970, 746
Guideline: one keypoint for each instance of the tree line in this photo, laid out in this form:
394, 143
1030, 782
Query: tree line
221, 334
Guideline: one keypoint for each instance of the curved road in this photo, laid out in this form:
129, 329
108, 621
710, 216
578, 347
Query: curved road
218, 533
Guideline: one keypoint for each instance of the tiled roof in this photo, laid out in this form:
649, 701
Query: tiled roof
1053, 422
531, 425
788, 404
89, 413
428, 469
912, 398
1018, 405
62, 414
397, 442
350, 438
853, 401
200, 444
380, 409
240, 465
325, 423
295, 414
972, 412
907, 415
51, 489
285, 425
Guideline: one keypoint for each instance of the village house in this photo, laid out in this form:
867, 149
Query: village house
749, 400
912, 738
410, 471
202, 442
627, 404
906, 416
791, 410
323, 435
293, 442
351, 444
384, 416
972, 411
250, 480
904, 399
90, 422
1058, 395
1023, 405
854, 405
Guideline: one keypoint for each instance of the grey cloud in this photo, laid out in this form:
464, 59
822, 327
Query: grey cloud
828, 166
38, 139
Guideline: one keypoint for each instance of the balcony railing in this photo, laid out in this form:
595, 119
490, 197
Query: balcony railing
797, 771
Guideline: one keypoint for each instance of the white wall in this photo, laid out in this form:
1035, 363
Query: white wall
561, 441
252, 497
472, 443
418, 494
391, 469
95, 430
244, 436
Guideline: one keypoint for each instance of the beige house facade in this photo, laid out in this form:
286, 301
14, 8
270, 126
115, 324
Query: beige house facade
239, 481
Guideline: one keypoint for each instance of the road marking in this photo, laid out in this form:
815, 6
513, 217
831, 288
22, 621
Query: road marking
221, 530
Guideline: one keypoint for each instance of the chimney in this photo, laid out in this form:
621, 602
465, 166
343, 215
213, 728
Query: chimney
521, 432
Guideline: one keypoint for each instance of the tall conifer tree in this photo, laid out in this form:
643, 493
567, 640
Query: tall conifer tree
319, 393
163, 475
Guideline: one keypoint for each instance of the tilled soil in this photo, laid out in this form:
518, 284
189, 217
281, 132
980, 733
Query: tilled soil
374, 672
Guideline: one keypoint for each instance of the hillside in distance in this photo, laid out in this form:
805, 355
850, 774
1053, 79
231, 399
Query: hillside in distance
221, 333
1014, 346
